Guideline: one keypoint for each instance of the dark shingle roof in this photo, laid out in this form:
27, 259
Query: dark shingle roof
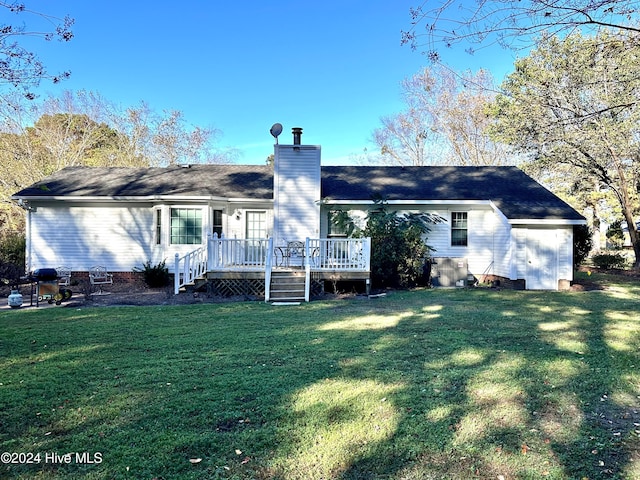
517, 195
229, 181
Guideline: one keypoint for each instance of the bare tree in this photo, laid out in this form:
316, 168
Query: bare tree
168, 139
19, 65
38, 138
511, 23
446, 122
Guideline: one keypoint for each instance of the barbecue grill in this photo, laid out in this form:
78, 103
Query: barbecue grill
47, 288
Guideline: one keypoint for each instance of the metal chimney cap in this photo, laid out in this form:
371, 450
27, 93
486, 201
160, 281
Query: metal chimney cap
297, 133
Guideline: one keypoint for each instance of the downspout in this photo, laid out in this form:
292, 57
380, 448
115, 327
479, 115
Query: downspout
28, 242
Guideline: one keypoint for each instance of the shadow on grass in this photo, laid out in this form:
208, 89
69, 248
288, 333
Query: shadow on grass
532, 386
431, 384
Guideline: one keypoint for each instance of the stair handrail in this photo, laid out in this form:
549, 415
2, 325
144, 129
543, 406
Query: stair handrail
189, 267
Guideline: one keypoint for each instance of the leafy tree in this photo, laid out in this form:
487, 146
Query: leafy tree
572, 105
398, 248
512, 23
445, 122
19, 65
615, 234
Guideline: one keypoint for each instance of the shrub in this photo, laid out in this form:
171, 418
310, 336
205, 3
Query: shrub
398, 248
155, 276
12, 257
608, 261
12, 249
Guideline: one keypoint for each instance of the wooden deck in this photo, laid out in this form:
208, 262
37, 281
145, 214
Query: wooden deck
244, 262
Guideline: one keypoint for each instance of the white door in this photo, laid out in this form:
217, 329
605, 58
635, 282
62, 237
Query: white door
542, 260
256, 232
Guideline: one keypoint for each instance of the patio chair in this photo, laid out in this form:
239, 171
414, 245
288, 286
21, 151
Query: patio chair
64, 276
98, 276
294, 256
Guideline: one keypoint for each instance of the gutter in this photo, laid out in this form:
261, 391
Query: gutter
135, 199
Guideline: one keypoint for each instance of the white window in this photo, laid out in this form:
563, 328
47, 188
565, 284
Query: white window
186, 226
459, 229
256, 225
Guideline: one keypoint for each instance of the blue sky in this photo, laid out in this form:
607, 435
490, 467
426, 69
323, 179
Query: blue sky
332, 67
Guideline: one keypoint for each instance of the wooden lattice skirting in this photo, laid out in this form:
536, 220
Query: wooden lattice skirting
249, 287
232, 287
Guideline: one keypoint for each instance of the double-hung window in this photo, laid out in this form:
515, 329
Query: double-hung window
459, 229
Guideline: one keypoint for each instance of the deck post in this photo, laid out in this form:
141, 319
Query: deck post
366, 252
210, 238
307, 270
267, 270
176, 275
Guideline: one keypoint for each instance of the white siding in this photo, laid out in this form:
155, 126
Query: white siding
118, 238
485, 248
235, 222
489, 242
519, 267
296, 193
565, 253
503, 247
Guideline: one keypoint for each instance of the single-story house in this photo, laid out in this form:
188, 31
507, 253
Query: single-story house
242, 221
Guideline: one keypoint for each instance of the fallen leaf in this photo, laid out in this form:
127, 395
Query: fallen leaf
245, 460
238, 452
525, 448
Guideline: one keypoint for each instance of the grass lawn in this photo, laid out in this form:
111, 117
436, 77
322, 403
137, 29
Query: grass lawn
454, 384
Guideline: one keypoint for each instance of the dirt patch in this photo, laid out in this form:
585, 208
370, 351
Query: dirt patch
588, 284
122, 295
142, 296
583, 286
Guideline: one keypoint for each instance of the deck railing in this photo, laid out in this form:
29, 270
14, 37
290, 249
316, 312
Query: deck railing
232, 254
339, 253
237, 254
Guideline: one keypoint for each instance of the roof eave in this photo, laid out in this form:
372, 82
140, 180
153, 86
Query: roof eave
136, 199
407, 202
546, 221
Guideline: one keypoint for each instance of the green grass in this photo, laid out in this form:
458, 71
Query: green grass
418, 385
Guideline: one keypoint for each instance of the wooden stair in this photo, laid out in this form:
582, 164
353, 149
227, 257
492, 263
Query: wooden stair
287, 286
